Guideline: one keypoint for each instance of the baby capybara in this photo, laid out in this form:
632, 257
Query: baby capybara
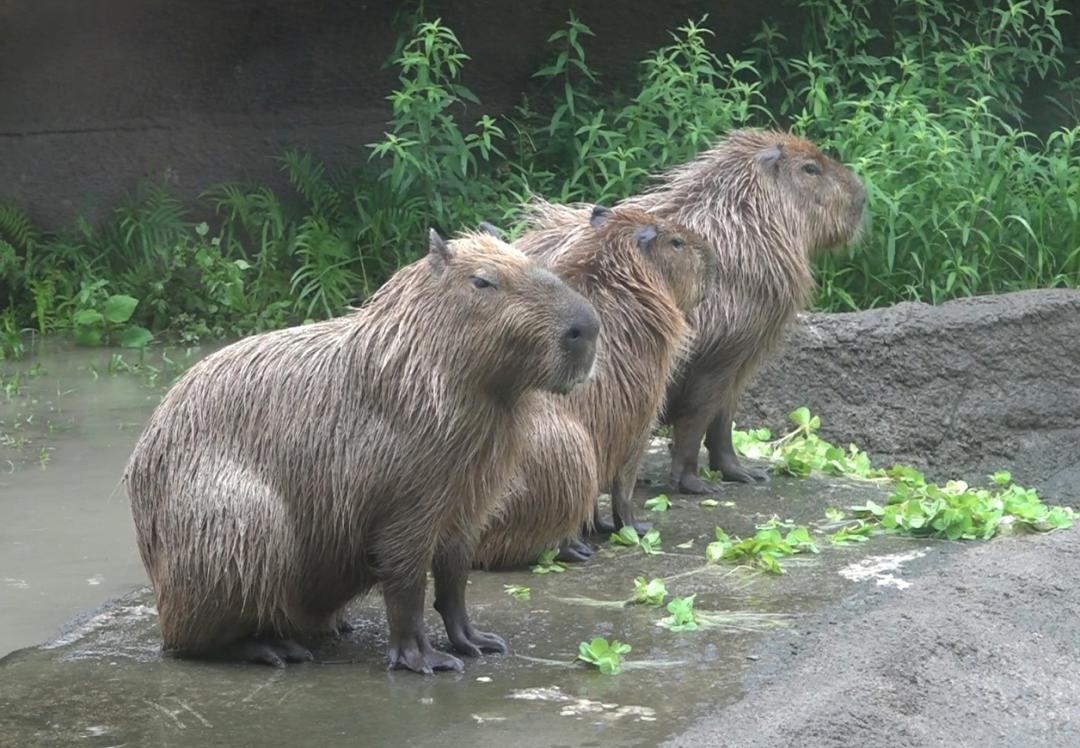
643, 275
290, 472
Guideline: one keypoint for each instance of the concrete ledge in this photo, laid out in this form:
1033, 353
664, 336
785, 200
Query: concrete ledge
960, 389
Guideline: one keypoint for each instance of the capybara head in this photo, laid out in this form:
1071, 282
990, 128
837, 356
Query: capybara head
683, 258
774, 178
525, 325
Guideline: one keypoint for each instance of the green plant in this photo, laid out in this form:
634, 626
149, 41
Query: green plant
107, 321
607, 657
682, 616
762, 549
659, 503
649, 543
548, 564
651, 592
517, 591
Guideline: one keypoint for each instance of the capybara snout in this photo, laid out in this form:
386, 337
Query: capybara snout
579, 340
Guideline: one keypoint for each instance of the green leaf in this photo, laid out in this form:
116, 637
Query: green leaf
119, 308
659, 503
134, 336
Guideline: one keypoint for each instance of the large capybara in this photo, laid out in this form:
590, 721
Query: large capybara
768, 202
643, 275
292, 471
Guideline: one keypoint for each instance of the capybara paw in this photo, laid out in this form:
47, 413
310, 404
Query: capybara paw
738, 473
692, 484
642, 527
423, 659
574, 551
273, 652
473, 643
603, 526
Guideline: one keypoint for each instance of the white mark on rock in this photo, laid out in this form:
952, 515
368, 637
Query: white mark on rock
575, 707
19, 584
95, 580
483, 679
482, 718
881, 568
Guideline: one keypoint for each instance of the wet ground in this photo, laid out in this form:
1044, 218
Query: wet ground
776, 647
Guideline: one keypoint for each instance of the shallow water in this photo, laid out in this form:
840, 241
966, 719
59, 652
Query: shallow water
66, 430
67, 547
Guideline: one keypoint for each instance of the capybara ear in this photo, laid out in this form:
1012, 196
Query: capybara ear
600, 216
490, 229
768, 157
439, 253
645, 235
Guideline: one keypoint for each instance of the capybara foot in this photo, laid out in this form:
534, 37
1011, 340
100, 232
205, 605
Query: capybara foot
274, 652
574, 551
603, 526
736, 472
472, 643
690, 483
416, 653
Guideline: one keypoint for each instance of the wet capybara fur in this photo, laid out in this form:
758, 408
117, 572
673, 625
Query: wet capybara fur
292, 471
642, 275
767, 202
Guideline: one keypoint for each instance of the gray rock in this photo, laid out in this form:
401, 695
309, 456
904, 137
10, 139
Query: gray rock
959, 390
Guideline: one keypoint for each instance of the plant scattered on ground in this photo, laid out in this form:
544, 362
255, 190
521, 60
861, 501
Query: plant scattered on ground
518, 591
627, 536
764, 548
659, 503
548, 564
607, 657
650, 592
682, 616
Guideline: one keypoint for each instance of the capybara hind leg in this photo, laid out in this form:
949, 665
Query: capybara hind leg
600, 525
574, 550
722, 455
451, 571
261, 650
409, 645
685, 445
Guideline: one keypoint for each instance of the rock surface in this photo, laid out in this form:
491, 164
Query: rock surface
960, 390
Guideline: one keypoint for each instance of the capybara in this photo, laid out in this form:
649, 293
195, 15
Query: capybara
768, 202
642, 275
287, 473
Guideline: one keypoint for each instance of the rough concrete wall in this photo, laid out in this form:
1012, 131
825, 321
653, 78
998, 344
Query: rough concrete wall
962, 389
96, 96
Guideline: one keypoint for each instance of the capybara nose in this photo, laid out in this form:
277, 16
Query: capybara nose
580, 336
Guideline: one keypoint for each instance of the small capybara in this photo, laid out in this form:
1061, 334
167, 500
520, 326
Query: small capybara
767, 202
287, 473
643, 275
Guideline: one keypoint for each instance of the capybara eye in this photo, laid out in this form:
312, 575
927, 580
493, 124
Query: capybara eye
812, 169
482, 282
677, 243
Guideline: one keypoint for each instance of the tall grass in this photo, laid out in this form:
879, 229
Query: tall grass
924, 98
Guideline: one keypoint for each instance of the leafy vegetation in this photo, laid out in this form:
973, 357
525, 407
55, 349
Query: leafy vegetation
764, 548
659, 503
650, 592
605, 656
548, 564
928, 100
518, 592
682, 616
649, 543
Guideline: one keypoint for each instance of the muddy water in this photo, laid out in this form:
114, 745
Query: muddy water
66, 430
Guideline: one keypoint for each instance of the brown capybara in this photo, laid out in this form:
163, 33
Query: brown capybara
642, 275
767, 202
287, 473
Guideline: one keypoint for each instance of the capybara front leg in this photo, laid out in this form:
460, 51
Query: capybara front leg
450, 568
722, 455
622, 500
409, 645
